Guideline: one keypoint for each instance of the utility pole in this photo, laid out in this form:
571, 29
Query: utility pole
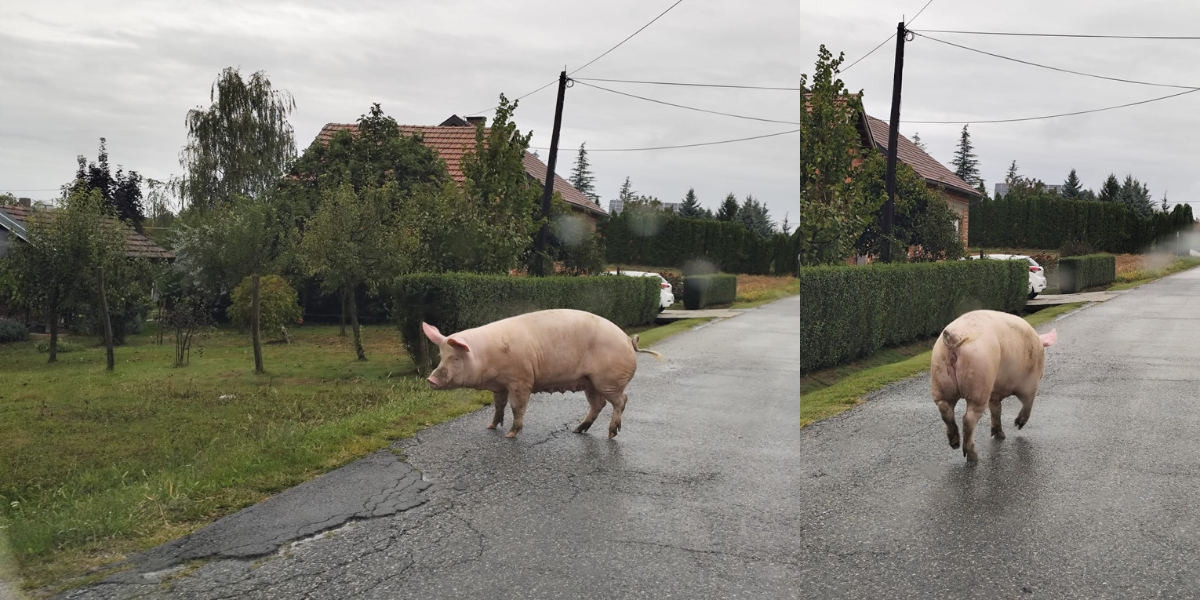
893, 139
548, 191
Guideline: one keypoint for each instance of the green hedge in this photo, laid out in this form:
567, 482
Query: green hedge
851, 312
13, 331
453, 302
661, 238
706, 290
1077, 273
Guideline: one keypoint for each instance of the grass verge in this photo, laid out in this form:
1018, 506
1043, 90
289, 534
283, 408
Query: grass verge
840, 388
649, 336
1138, 277
97, 465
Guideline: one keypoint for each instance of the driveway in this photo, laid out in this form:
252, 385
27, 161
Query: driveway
701, 495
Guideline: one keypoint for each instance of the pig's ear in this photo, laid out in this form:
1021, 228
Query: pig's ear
1048, 339
433, 334
459, 344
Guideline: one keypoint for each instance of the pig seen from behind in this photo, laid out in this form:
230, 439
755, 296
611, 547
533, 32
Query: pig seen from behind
986, 356
546, 351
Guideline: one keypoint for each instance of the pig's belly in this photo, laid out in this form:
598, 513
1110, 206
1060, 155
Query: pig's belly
562, 385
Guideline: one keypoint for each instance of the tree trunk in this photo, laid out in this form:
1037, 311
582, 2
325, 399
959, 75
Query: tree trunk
108, 333
342, 331
254, 333
52, 318
358, 349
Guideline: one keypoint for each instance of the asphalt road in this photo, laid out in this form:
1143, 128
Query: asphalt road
711, 490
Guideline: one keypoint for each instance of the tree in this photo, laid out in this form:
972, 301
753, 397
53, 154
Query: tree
240, 145
626, 194
785, 227
834, 211
1136, 196
690, 207
1165, 205
351, 243
277, 305
916, 140
1012, 177
965, 163
122, 193
922, 219
1072, 188
755, 216
981, 187
581, 176
728, 209
1111, 190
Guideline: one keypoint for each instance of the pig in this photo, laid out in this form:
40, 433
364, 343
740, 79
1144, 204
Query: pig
986, 356
545, 351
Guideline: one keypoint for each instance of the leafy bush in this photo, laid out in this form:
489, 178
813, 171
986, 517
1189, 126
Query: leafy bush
13, 331
1075, 248
277, 305
706, 290
675, 280
1081, 272
63, 346
850, 312
453, 302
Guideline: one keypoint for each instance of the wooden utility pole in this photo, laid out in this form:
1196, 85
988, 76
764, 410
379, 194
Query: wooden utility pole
893, 135
548, 191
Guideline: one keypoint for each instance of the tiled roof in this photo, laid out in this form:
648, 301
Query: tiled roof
921, 162
136, 245
451, 143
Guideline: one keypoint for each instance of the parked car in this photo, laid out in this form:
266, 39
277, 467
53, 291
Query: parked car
666, 296
1037, 275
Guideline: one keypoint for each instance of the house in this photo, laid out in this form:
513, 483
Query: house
13, 221
455, 137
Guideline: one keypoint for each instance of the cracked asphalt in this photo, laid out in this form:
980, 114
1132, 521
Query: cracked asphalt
697, 497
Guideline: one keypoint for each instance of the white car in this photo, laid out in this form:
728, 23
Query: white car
1037, 275
666, 297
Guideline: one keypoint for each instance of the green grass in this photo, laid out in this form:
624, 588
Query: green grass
828, 392
97, 465
1133, 279
649, 336
753, 298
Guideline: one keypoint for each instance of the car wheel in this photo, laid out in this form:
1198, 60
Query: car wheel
1032, 295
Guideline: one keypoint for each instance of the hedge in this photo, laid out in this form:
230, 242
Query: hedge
1049, 221
453, 302
13, 331
850, 312
661, 238
706, 290
1077, 273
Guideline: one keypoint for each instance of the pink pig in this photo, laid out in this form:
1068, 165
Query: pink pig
986, 356
546, 351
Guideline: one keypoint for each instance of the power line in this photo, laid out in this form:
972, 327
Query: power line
676, 83
918, 14
1059, 69
1064, 35
1068, 114
605, 53
889, 38
745, 139
703, 110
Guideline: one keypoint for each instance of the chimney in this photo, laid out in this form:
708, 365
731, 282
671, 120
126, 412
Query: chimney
26, 202
477, 121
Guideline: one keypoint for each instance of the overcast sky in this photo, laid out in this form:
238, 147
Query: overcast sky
73, 71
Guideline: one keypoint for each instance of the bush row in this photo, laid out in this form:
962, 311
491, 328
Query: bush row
13, 331
660, 238
850, 312
706, 290
1077, 273
1048, 221
453, 302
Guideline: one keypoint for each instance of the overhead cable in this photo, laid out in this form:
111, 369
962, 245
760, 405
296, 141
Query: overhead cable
745, 139
703, 110
1068, 114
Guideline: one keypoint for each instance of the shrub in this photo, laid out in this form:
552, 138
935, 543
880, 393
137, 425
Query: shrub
675, 280
1075, 248
13, 331
706, 290
850, 312
453, 302
1077, 273
277, 305
63, 346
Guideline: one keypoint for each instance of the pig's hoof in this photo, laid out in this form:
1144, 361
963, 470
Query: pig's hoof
971, 455
612, 433
1019, 423
998, 434
491, 425
954, 443
511, 434
583, 427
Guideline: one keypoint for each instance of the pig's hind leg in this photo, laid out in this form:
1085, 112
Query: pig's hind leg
946, 408
1026, 399
618, 401
595, 405
994, 414
499, 401
518, 398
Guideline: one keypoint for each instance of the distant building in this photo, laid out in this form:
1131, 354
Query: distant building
616, 206
1002, 189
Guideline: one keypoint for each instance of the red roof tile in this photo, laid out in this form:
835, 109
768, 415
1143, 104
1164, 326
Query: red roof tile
451, 143
136, 245
921, 162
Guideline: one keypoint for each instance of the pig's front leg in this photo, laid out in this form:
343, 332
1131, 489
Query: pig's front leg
499, 401
518, 398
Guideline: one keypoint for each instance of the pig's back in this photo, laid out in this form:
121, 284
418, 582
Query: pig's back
1006, 340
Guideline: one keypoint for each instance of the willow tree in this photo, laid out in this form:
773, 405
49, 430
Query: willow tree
240, 145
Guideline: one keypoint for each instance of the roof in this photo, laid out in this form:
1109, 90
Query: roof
136, 245
452, 142
925, 165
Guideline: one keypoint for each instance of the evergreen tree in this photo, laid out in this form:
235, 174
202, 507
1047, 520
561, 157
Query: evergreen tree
1012, 177
626, 194
1165, 204
754, 215
785, 228
966, 165
916, 140
1111, 189
581, 176
981, 188
1071, 187
729, 208
691, 206
122, 193
1136, 196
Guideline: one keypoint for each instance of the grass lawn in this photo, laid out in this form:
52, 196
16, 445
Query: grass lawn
830, 391
1132, 274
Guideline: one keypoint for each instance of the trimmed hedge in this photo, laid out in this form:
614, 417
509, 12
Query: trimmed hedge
454, 302
1077, 273
13, 331
661, 238
706, 290
849, 312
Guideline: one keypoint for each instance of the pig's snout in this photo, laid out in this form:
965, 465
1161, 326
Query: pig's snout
432, 382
